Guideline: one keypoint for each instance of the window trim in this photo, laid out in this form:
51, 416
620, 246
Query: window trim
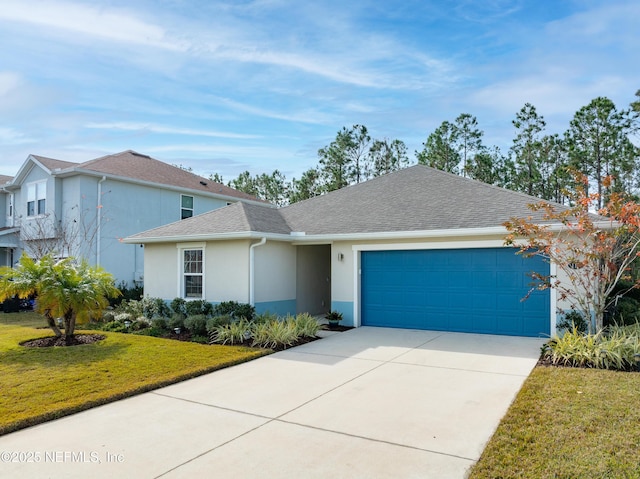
183, 208
182, 248
39, 191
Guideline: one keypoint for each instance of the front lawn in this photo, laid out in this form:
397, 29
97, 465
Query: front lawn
568, 423
40, 384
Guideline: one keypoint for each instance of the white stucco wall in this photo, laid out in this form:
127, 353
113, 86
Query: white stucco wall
160, 270
275, 272
227, 271
226, 276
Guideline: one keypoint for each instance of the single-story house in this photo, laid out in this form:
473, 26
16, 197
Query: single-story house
417, 248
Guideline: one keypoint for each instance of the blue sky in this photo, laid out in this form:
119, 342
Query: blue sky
225, 86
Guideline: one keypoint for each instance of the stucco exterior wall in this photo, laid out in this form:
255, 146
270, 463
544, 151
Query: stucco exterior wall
161, 270
227, 271
275, 278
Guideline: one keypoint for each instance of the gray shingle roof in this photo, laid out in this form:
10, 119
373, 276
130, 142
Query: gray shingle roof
418, 198
5, 179
236, 218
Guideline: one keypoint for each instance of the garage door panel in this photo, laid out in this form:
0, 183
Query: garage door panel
471, 290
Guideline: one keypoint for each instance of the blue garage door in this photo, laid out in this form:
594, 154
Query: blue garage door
464, 290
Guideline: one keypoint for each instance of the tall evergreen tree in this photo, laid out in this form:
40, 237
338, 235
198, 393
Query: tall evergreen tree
245, 182
306, 187
344, 161
597, 139
526, 150
555, 176
468, 139
440, 149
387, 156
272, 188
489, 166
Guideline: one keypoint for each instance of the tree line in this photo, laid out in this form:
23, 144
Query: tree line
596, 143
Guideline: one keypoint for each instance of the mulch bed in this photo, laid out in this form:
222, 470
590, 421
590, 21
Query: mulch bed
342, 329
76, 340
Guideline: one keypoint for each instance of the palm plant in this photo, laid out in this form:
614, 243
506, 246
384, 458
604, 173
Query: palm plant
64, 288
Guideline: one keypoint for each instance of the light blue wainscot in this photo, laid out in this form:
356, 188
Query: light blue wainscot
346, 308
281, 308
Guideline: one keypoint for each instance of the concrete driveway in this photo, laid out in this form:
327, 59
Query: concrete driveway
367, 403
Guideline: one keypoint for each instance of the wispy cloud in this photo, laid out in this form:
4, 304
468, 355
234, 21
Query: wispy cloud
8, 82
109, 24
312, 116
169, 130
12, 137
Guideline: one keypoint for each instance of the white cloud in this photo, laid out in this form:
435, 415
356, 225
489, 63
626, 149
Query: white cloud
170, 130
13, 137
8, 81
309, 116
109, 24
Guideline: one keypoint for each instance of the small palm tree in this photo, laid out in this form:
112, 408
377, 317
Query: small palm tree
64, 288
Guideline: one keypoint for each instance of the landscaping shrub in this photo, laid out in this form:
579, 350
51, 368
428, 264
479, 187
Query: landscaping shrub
306, 325
176, 321
128, 293
275, 334
235, 309
121, 317
222, 320
151, 331
179, 307
160, 323
115, 326
232, 333
265, 317
625, 311
573, 319
613, 348
198, 307
196, 324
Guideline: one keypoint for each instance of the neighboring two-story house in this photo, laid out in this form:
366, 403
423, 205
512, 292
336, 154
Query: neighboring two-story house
9, 240
85, 209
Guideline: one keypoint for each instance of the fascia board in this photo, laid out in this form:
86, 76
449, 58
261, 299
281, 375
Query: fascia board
207, 237
300, 239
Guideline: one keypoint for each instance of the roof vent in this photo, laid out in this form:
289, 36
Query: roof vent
203, 183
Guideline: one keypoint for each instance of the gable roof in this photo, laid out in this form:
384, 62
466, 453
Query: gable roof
237, 219
415, 199
52, 164
133, 166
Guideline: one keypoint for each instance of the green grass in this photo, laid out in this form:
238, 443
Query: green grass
40, 384
568, 423
28, 318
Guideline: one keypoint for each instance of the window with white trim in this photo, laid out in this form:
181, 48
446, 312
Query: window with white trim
37, 198
193, 273
10, 205
186, 206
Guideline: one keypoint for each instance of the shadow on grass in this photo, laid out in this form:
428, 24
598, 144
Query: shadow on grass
62, 356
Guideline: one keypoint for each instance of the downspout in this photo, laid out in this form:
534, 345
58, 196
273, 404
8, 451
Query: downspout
99, 221
252, 269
